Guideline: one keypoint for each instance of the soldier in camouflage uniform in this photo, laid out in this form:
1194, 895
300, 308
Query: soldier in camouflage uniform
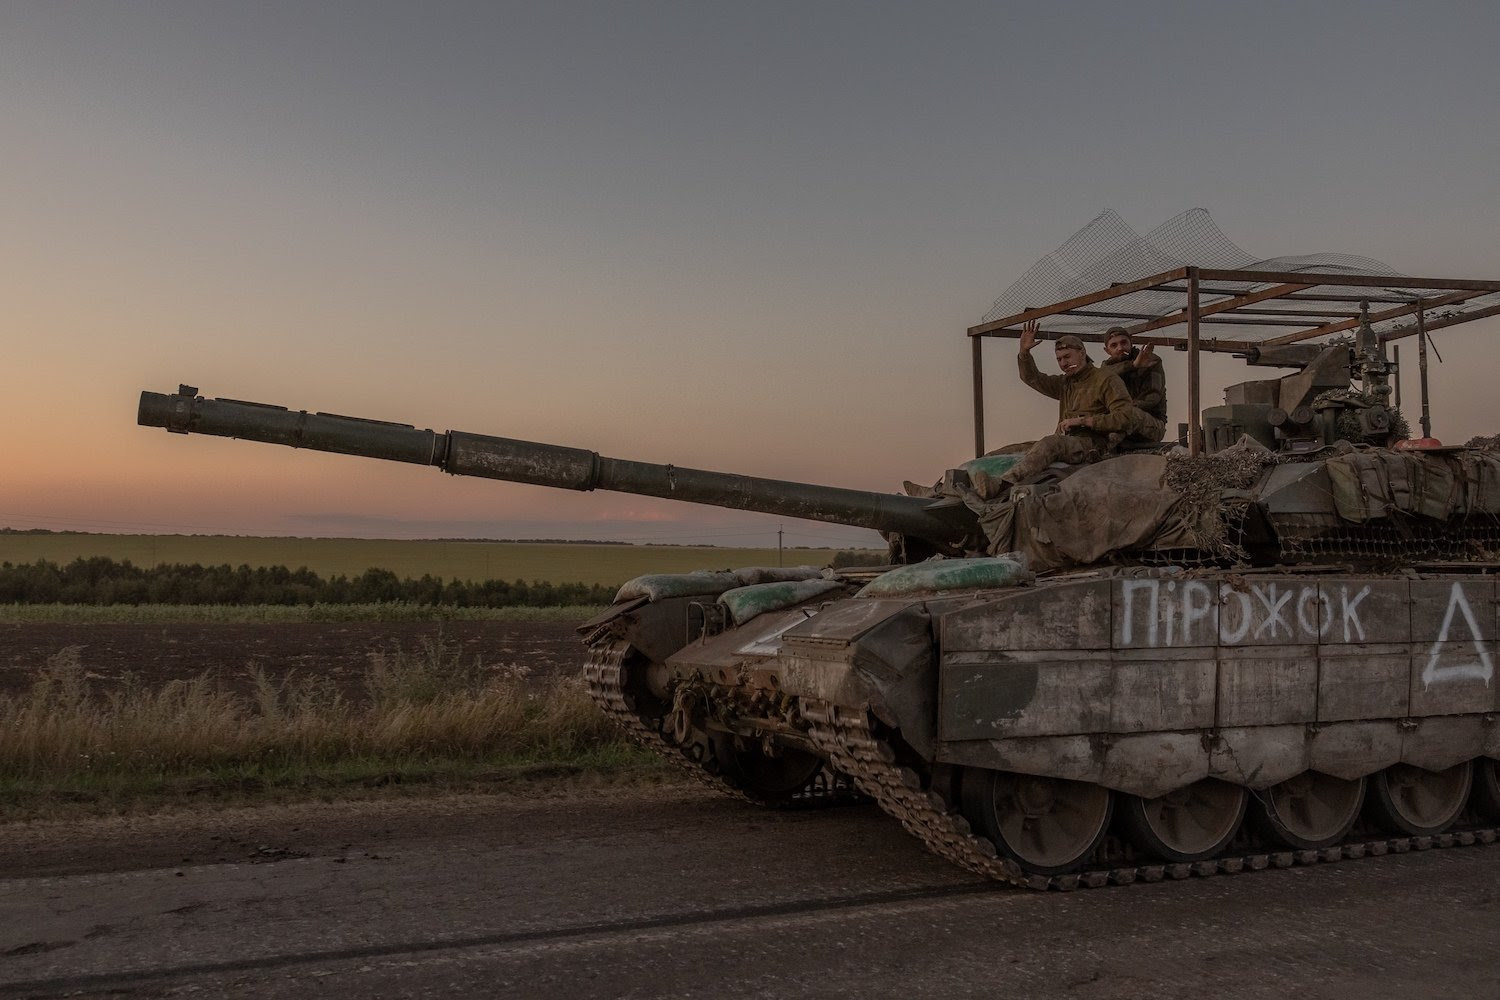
1141, 371
1092, 403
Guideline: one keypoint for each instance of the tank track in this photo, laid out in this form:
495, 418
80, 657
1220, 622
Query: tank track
604, 676
848, 738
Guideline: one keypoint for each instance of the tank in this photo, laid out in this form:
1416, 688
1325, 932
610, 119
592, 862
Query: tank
1156, 666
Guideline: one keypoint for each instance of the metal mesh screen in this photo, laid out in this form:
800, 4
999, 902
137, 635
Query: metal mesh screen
1397, 541
1314, 538
1108, 251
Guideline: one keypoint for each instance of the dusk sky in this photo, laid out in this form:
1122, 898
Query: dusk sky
743, 237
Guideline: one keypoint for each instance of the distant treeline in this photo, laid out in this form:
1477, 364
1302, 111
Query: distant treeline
467, 541
100, 580
849, 558
497, 541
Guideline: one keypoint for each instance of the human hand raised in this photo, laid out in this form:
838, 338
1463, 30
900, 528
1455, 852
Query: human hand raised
1029, 331
1144, 356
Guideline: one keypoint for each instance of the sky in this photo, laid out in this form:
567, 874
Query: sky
744, 237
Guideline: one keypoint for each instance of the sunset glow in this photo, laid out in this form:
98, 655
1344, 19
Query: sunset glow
740, 238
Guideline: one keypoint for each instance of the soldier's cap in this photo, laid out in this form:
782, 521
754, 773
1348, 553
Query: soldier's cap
1068, 340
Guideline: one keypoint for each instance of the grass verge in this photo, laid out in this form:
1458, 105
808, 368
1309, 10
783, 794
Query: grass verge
431, 720
231, 614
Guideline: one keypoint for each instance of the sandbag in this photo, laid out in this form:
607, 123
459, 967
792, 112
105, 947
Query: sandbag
751, 575
993, 466
709, 583
949, 574
745, 603
985, 473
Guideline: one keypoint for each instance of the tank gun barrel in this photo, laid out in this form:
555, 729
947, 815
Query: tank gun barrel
464, 454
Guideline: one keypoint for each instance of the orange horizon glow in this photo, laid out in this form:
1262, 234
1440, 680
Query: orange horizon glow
705, 236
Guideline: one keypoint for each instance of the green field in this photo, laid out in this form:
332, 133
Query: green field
458, 560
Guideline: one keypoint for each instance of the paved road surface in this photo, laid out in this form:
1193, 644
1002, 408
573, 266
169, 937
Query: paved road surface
673, 893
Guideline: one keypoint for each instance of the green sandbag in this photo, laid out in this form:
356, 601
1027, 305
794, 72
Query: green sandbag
745, 603
949, 574
659, 586
993, 466
708, 583
751, 575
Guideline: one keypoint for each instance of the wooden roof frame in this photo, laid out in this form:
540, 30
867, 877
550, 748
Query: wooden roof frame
1326, 314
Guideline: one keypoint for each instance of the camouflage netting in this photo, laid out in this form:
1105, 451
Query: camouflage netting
1202, 481
1347, 426
1491, 443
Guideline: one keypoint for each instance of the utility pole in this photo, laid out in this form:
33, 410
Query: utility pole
779, 531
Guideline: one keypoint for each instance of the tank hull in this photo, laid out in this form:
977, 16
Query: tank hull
1135, 687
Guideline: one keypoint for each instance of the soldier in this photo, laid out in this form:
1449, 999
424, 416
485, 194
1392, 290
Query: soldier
1091, 404
1141, 371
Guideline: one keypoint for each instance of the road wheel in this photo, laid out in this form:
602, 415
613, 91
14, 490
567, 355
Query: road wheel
772, 781
1049, 826
1486, 795
1413, 801
1312, 810
1189, 824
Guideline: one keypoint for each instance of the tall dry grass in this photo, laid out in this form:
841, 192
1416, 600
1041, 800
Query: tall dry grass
426, 711
394, 611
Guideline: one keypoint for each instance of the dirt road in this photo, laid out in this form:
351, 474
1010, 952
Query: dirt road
676, 893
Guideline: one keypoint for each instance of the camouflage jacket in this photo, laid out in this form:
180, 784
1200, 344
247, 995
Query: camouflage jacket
1147, 386
1090, 392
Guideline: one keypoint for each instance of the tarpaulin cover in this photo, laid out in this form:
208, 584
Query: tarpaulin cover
704, 583
948, 574
744, 603
1116, 505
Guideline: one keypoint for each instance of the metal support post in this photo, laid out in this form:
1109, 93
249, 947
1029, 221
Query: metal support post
977, 345
1422, 369
1195, 418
